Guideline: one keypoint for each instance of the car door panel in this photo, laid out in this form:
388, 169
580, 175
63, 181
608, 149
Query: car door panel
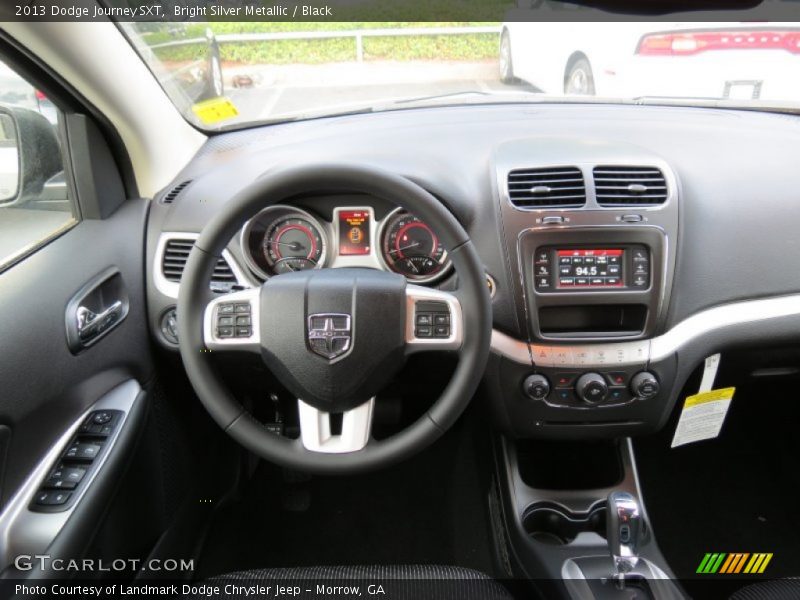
45, 386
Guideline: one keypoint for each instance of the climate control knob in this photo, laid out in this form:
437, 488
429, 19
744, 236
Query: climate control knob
644, 385
591, 388
536, 387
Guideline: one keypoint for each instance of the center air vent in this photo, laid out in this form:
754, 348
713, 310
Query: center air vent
626, 186
176, 253
545, 188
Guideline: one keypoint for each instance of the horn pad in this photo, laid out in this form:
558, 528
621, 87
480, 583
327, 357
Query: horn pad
334, 337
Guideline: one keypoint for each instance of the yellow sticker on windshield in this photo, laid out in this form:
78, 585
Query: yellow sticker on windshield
215, 110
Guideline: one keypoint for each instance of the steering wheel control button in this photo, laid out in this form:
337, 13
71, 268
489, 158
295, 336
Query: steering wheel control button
432, 319
225, 332
241, 308
591, 388
644, 385
424, 319
536, 387
225, 322
225, 309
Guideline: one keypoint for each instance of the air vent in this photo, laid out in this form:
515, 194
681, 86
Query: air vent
176, 253
542, 188
625, 186
170, 196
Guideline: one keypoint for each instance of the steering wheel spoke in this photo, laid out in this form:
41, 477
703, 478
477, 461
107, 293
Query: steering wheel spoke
231, 322
434, 320
316, 428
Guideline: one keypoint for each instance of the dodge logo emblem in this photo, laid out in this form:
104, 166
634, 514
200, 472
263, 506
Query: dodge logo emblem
329, 334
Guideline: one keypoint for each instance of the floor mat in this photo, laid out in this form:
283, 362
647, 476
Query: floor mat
430, 509
737, 493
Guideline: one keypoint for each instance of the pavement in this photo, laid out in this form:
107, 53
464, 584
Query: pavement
282, 90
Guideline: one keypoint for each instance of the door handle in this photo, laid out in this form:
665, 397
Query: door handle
91, 324
99, 306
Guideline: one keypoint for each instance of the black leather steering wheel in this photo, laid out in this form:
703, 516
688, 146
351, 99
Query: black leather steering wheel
334, 337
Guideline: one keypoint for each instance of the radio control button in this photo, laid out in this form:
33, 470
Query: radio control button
542, 257
542, 270
565, 260
542, 283
567, 281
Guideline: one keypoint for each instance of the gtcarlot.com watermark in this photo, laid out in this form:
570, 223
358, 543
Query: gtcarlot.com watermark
45, 562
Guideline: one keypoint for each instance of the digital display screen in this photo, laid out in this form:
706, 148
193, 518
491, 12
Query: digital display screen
581, 267
354, 232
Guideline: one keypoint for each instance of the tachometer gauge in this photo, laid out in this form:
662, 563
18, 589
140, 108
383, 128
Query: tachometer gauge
410, 247
282, 239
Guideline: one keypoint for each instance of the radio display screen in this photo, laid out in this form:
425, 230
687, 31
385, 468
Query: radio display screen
589, 267
354, 232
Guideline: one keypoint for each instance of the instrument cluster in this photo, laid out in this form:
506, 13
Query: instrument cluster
283, 238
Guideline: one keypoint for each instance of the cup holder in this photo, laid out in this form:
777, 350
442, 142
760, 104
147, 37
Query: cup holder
555, 526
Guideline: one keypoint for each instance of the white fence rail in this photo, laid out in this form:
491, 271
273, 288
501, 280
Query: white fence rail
357, 34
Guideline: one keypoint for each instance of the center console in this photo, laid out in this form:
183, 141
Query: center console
591, 230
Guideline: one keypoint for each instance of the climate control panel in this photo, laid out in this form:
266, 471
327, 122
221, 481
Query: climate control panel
584, 389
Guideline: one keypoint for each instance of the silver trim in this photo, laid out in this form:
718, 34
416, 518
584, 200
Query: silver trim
170, 288
721, 317
315, 428
416, 293
594, 355
655, 349
512, 348
248, 344
23, 531
448, 264
245, 233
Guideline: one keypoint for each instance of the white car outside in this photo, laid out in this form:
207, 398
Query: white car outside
624, 60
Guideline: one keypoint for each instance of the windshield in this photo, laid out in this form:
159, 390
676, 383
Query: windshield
230, 75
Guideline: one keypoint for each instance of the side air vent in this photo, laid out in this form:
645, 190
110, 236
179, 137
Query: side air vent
170, 196
626, 186
176, 253
542, 188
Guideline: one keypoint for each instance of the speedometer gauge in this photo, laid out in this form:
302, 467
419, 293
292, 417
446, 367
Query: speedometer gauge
410, 247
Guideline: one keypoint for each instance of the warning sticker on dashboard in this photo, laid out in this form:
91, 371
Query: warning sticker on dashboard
702, 416
215, 110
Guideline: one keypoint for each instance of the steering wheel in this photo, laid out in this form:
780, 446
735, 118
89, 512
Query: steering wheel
333, 337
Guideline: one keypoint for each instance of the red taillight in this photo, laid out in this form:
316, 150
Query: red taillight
694, 42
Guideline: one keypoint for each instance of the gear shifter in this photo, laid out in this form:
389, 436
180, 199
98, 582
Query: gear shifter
623, 529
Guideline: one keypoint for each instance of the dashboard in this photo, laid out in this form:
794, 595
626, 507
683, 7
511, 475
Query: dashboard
622, 244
